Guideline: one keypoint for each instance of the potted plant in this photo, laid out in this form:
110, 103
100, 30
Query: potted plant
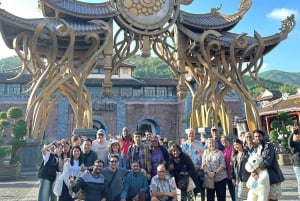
279, 136
13, 132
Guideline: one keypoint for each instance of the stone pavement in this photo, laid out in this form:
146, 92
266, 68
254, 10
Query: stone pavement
26, 188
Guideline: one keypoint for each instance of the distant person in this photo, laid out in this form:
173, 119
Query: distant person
66, 145
267, 151
216, 137
51, 164
227, 153
114, 176
126, 140
114, 148
141, 153
213, 163
159, 155
181, 167
148, 135
91, 183
238, 172
72, 168
88, 155
75, 141
294, 144
100, 144
194, 149
135, 184
241, 136
162, 187
249, 145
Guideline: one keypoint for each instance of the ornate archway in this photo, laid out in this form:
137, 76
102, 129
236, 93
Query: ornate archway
60, 50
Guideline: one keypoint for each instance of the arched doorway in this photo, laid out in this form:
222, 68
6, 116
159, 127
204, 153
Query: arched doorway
148, 125
98, 125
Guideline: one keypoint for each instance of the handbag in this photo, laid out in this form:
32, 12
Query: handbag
208, 182
191, 185
58, 184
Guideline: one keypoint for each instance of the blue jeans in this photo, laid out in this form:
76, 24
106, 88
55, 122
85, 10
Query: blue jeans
45, 191
297, 173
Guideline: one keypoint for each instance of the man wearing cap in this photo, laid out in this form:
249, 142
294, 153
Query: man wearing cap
100, 145
215, 136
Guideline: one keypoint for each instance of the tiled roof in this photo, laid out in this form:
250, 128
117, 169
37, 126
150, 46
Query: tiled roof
213, 21
76, 9
269, 95
11, 26
25, 78
290, 104
5, 78
159, 81
227, 38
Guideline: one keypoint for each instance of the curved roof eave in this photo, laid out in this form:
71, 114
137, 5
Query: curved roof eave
227, 38
274, 112
11, 26
76, 9
215, 20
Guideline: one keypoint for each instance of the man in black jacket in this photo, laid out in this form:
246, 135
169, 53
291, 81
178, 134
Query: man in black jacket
267, 151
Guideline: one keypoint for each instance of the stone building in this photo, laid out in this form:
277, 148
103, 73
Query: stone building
138, 103
273, 103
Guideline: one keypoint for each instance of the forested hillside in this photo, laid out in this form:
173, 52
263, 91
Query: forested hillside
154, 67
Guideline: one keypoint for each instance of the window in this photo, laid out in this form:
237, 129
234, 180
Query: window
13, 89
162, 91
125, 71
126, 91
149, 91
115, 91
2, 89
137, 92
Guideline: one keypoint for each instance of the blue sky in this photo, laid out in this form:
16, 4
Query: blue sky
264, 17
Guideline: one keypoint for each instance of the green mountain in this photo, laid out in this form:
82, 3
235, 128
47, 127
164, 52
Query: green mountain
281, 76
154, 67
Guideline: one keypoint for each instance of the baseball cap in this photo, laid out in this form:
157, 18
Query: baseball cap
101, 131
214, 128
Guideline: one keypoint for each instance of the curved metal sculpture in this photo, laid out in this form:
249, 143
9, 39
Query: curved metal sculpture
62, 49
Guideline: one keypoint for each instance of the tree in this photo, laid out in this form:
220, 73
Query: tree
9, 62
286, 88
280, 133
18, 131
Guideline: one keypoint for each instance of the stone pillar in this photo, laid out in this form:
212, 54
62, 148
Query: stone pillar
31, 156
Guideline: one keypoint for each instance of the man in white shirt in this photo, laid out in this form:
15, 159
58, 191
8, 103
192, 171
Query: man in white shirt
100, 145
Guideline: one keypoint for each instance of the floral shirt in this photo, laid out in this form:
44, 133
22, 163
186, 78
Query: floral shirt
194, 150
212, 160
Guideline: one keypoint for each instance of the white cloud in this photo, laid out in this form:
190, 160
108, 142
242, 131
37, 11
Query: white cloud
281, 13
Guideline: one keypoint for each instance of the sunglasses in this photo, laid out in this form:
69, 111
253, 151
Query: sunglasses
113, 161
161, 171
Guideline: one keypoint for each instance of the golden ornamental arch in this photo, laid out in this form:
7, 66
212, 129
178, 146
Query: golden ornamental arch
60, 50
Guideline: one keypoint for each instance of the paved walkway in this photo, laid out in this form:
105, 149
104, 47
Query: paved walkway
25, 189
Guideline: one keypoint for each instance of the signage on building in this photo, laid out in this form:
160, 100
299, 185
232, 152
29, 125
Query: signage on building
104, 107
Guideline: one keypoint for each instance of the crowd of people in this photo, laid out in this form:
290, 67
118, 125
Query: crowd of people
130, 168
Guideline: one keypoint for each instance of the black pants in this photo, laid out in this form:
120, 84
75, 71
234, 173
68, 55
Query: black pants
220, 190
